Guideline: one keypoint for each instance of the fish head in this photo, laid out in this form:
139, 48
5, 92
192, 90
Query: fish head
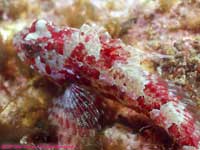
41, 46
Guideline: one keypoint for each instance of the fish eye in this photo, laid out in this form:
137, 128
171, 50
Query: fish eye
32, 51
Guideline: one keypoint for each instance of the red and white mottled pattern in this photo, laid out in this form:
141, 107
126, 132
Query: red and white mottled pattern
91, 57
174, 117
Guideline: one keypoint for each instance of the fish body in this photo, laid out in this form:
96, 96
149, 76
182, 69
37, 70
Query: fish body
89, 56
